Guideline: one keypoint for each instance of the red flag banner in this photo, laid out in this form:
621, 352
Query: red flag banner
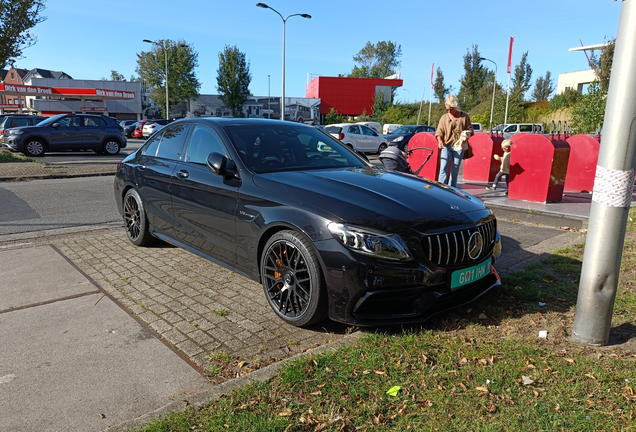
432, 69
510, 54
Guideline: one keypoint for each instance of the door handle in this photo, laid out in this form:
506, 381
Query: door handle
183, 174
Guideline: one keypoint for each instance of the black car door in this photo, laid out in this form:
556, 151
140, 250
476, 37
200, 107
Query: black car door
154, 166
204, 204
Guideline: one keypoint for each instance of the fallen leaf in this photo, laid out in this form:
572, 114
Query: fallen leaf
241, 364
316, 393
314, 362
630, 390
377, 372
492, 409
590, 376
483, 389
285, 413
526, 380
569, 360
393, 391
366, 372
482, 316
327, 369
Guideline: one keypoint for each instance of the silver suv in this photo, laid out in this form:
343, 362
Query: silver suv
358, 137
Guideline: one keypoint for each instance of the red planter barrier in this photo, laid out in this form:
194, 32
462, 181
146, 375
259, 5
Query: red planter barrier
537, 168
582, 163
417, 158
483, 166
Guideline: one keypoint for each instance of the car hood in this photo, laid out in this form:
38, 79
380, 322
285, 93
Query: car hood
391, 137
376, 198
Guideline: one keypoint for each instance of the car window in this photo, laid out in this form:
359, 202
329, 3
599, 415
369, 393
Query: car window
525, 128
17, 121
71, 121
93, 121
333, 129
367, 131
172, 140
403, 130
203, 142
354, 130
511, 128
150, 146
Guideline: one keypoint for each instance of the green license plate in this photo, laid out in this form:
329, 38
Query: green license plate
469, 275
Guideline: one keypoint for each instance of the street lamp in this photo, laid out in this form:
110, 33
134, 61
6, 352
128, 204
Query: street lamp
263, 5
269, 98
163, 46
494, 87
409, 99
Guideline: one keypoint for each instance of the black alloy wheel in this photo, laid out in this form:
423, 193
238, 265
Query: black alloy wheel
34, 147
292, 279
382, 148
135, 221
111, 147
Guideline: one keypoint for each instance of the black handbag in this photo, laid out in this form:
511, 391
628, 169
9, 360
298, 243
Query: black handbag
468, 153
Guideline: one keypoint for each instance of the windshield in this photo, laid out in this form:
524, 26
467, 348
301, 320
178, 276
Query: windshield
51, 120
404, 130
273, 148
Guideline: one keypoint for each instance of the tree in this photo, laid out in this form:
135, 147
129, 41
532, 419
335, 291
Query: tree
333, 117
377, 61
182, 81
589, 113
603, 64
522, 76
115, 76
566, 99
17, 17
543, 88
233, 79
474, 78
439, 88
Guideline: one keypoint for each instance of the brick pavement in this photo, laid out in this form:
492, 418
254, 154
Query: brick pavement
219, 319
27, 170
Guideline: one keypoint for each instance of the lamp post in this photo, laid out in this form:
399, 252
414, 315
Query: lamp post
269, 97
263, 5
409, 99
165, 51
494, 87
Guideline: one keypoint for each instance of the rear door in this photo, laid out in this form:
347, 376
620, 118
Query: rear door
355, 136
93, 129
204, 204
155, 166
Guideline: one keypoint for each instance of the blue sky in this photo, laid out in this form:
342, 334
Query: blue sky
89, 38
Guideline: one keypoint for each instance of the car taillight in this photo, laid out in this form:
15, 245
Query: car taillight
340, 136
2, 132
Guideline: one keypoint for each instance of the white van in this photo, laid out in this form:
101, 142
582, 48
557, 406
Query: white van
389, 128
373, 125
514, 128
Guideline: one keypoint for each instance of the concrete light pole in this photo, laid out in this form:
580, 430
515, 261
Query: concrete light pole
263, 5
269, 98
165, 51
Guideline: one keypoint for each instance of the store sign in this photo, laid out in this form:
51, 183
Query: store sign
10, 106
60, 91
100, 109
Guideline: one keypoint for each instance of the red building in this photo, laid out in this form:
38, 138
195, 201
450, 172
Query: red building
349, 96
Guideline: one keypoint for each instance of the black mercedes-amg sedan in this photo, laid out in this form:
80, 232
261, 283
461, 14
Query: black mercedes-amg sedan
324, 231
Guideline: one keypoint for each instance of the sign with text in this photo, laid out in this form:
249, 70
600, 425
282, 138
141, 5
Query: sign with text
10, 106
100, 109
92, 93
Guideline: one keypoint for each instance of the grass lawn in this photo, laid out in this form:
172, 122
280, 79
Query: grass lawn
481, 368
7, 156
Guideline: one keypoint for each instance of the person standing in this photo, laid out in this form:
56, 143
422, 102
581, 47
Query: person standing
504, 170
449, 131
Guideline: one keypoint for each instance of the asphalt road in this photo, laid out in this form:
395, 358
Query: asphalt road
84, 157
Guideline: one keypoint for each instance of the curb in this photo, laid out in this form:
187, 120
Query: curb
539, 217
204, 397
55, 176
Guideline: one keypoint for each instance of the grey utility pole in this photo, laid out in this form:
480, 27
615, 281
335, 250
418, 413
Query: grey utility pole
612, 195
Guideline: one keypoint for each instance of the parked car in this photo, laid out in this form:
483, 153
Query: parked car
358, 137
390, 127
153, 125
402, 135
17, 120
67, 132
514, 128
124, 123
325, 232
129, 129
477, 127
139, 127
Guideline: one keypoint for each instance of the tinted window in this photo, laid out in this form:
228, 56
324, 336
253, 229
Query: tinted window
525, 128
172, 140
367, 131
17, 121
93, 121
203, 142
354, 130
69, 121
333, 129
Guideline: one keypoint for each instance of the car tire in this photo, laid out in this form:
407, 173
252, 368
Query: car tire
34, 148
382, 147
350, 146
292, 279
135, 220
111, 147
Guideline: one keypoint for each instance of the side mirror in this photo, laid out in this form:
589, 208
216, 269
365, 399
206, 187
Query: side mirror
55, 125
362, 155
221, 165
375, 134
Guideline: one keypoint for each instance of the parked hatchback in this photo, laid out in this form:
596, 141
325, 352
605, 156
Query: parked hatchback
67, 132
18, 120
401, 136
325, 232
358, 137
152, 126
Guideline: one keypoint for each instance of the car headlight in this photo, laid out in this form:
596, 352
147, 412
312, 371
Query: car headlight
15, 132
366, 241
398, 139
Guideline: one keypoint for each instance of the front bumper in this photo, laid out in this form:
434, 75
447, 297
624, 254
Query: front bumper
12, 143
368, 292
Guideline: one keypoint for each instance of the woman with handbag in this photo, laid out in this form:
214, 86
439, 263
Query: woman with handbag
453, 131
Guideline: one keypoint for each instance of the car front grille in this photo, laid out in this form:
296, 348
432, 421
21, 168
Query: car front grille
451, 249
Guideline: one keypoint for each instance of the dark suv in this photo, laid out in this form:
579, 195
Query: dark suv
67, 132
